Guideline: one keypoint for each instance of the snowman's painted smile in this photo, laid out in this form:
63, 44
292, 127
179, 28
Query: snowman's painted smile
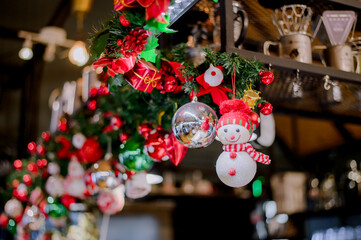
232, 141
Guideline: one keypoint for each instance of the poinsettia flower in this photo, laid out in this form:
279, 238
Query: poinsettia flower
120, 5
156, 9
145, 3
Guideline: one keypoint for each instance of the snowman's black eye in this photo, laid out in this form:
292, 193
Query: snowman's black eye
225, 130
237, 130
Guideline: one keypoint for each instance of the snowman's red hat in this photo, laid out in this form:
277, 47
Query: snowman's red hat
235, 111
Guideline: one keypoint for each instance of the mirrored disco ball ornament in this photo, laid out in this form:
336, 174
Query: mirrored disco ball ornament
194, 124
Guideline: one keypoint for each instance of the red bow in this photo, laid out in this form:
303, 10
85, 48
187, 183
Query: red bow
218, 93
115, 66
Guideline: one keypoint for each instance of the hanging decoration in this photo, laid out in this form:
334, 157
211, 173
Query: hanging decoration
236, 166
100, 155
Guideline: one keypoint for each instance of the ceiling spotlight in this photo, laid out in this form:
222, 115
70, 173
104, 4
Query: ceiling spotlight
78, 54
26, 52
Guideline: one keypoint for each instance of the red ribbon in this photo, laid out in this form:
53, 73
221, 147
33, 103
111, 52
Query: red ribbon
218, 93
115, 66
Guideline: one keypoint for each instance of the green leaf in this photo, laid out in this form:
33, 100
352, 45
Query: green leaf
149, 55
158, 27
99, 45
152, 43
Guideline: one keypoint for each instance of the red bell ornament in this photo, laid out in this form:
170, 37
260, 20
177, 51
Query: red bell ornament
91, 151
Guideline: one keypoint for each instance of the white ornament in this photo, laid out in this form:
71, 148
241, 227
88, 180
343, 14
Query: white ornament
75, 169
111, 201
213, 76
74, 183
78, 140
53, 168
137, 186
13, 208
55, 186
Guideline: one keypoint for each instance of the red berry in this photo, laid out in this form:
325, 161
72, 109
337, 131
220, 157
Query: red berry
32, 147
92, 105
40, 149
45, 136
125, 22
18, 164
27, 179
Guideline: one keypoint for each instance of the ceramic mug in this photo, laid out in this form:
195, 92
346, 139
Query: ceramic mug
294, 46
340, 57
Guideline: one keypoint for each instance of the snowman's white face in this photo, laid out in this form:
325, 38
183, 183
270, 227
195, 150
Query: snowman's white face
233, 134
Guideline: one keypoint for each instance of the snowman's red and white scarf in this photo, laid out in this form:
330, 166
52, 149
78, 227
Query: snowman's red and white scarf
247, 147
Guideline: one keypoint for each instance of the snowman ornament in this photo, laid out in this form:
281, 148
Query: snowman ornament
236, 166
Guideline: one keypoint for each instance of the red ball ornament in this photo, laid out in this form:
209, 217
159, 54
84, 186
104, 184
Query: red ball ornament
93, 92
92, 105
3, 220
45, 136
155, 145
20, 195
32, 147
266, 108
41, 163
254, 118
40, 149
62, 124
145, 129
123, 137
27, 179
18, 164
103, 90
267, 77
125, 22
90, 151
15, 183
33, 168
170, 84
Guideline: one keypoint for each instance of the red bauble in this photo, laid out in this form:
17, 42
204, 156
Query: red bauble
41, 163
20, 195
123, 137
267, 77
125, 22
170, 84
90, 151
45, 136
145, 129
92, 105
40, 150
103, 90
266, 108
67, 200
62, 124
254, 118
32, 147
27, 179
93, 92
33, 168
18, 164
155, 145
3, 220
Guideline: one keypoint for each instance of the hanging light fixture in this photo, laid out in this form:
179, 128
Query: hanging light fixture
78, 54
26, 52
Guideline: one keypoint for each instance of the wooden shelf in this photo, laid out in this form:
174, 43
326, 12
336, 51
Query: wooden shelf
278, 62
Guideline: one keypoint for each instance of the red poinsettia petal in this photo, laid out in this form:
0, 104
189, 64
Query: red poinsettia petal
145, 3
156, 9
120, 5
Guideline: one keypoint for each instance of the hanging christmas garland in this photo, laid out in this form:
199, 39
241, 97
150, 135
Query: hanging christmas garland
145, 111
